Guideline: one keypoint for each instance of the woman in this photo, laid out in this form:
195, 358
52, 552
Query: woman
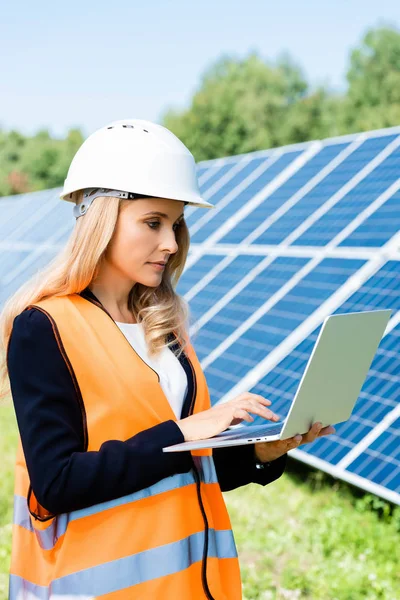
103, 376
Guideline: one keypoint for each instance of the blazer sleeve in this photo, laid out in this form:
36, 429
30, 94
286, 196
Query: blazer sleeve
63, 476
236, 466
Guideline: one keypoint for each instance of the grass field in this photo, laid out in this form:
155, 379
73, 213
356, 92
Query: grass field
304, 536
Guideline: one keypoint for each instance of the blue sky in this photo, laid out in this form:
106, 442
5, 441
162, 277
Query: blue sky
81, 63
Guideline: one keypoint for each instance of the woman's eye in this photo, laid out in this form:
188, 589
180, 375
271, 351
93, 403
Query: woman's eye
153, 223
157, 223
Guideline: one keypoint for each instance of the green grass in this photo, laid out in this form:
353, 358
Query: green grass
304, 536
8, 441
307, 536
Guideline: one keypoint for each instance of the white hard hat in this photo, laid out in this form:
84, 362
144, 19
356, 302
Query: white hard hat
136, 158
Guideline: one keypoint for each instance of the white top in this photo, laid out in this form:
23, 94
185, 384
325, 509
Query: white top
173, 379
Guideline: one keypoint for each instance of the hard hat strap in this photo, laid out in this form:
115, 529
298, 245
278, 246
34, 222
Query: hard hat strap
91, 193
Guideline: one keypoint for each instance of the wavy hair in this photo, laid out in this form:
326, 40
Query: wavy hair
161, 310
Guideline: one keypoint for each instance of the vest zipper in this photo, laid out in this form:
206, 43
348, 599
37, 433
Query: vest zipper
207, 592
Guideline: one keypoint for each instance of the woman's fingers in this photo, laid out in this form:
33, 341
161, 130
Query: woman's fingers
293, 442
312, 433
257, 397
327, 430
245, 407
247, 403
320, 431
317, 431
241, 413
262, 399
259, 409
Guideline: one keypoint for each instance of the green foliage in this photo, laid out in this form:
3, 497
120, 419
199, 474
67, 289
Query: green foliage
249, 104
35, 163
240, 107
373, 99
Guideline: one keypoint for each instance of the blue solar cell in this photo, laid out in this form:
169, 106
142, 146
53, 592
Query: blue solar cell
380, 291
353, 203
58, 217
223, 283
197, 271
219, 173
244, 196
27, 206
283, 193
201, 170
24, 271
380, 462
266, 283
9, 259
225, 189
8, 206
274, 326
331, 184
377, 229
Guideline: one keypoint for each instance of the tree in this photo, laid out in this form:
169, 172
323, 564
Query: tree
246, 105
35, 163
373, 98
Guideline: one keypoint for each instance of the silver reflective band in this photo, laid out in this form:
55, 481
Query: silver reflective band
91, 193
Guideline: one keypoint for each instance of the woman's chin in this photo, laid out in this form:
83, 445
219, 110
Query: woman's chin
152, 281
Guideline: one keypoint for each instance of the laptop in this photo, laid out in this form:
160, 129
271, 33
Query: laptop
329, 387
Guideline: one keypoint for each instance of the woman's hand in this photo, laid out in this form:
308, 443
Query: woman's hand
208, 423
267, 451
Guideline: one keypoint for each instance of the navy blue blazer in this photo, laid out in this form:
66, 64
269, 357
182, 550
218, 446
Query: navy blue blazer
64, 475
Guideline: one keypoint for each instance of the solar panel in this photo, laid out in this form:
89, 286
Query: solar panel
194, 275
380, 462
276, 320
225, 185
380, 393
262, 284
375, 183
379, 227
214, 175
260, 172
298, 233
329, 190
27, 268
286, 192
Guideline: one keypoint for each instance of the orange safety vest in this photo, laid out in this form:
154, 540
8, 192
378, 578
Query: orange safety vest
172, 539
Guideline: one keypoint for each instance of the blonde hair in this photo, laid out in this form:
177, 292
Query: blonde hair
161, 310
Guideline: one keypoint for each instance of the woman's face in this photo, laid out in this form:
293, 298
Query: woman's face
142, 237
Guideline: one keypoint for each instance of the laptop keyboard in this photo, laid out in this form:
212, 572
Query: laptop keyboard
252, 431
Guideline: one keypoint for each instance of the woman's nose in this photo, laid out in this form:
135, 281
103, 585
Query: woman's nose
170, 244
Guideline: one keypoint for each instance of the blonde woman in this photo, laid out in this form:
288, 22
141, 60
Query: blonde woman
103, 376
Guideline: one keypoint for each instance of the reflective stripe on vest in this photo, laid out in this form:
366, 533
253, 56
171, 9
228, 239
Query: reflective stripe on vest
48, 537
148, 544
138, 568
